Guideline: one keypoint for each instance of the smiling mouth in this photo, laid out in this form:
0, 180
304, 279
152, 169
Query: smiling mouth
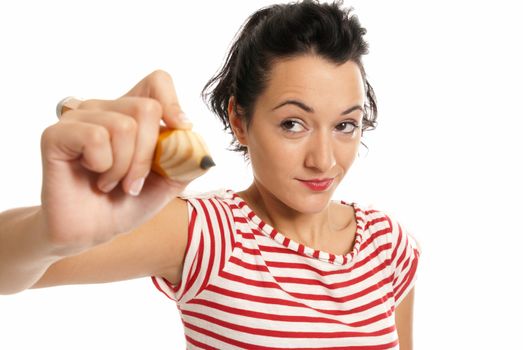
317, 184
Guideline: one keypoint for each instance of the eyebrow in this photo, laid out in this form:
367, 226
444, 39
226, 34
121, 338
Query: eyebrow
311, 110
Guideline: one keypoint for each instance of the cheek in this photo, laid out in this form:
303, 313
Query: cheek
346, 153
272, 156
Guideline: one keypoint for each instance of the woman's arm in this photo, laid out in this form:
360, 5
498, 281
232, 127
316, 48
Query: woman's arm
155, 248
404, 321
25, 252
28, 261
96, 187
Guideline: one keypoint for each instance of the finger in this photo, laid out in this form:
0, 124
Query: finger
159, 86
67, 141
123, 132
147, 113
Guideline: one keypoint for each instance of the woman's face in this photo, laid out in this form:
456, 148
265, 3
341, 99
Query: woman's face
305, 130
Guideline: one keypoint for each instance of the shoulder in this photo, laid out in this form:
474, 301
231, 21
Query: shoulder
222, 195
378, 222
208, 206
371, 219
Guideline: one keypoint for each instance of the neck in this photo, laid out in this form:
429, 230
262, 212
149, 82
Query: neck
305, 228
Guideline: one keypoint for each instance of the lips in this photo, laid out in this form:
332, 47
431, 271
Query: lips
317, 184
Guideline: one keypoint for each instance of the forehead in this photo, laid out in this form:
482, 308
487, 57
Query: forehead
315, 80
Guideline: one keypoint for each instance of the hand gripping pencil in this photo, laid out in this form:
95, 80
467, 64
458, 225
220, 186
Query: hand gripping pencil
180, 155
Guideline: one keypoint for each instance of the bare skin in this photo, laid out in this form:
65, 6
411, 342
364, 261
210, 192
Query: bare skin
310, 110
94, 162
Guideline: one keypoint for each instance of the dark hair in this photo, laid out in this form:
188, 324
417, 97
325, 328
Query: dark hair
285, 31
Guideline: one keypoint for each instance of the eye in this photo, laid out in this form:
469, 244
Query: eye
347, 127
292, 126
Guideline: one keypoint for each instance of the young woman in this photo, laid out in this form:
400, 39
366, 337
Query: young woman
275, 266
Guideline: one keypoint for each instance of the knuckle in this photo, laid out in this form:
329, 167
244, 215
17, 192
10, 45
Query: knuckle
97, 136
47, 135
160, 76
126, 126
88, 104
148, 108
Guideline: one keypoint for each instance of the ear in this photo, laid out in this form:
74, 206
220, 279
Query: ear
237, 124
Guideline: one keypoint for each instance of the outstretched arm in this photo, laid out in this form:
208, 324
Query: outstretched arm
97, 186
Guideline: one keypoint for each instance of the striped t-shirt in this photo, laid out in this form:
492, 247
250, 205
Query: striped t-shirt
246, 286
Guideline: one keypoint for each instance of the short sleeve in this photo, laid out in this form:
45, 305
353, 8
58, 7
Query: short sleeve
209, 241
404, 261
192, 260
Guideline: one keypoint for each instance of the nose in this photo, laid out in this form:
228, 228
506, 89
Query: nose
320, 153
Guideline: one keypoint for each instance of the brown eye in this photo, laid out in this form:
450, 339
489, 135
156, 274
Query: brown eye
347, 127
291, 126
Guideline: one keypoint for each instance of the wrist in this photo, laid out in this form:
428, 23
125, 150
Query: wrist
51, 245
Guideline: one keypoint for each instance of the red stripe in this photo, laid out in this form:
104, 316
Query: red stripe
398, 242
223, 244
258, 347
343, 299
190, 234
251, 251
301, 249
374, 319
335, 285
248, 266
251, 297
305, 296
285, 302
374, 254
241, 220
287, 334
245, 235
375, 221
302, 266
374, 236
199, 344
257, 232
195, 269
287, 318
211, 247
247, 281
154, 278
408, 279
228, 213
281, 250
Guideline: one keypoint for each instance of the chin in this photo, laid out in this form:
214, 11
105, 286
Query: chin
309, 203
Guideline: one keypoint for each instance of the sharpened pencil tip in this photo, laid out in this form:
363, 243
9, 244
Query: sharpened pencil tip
206, 163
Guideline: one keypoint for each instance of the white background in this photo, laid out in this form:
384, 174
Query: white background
445, 159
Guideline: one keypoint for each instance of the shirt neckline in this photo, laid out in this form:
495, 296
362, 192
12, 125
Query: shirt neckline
300, 248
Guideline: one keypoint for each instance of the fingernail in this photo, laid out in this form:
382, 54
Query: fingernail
109, 187
136, 186
183, 117
184, 121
